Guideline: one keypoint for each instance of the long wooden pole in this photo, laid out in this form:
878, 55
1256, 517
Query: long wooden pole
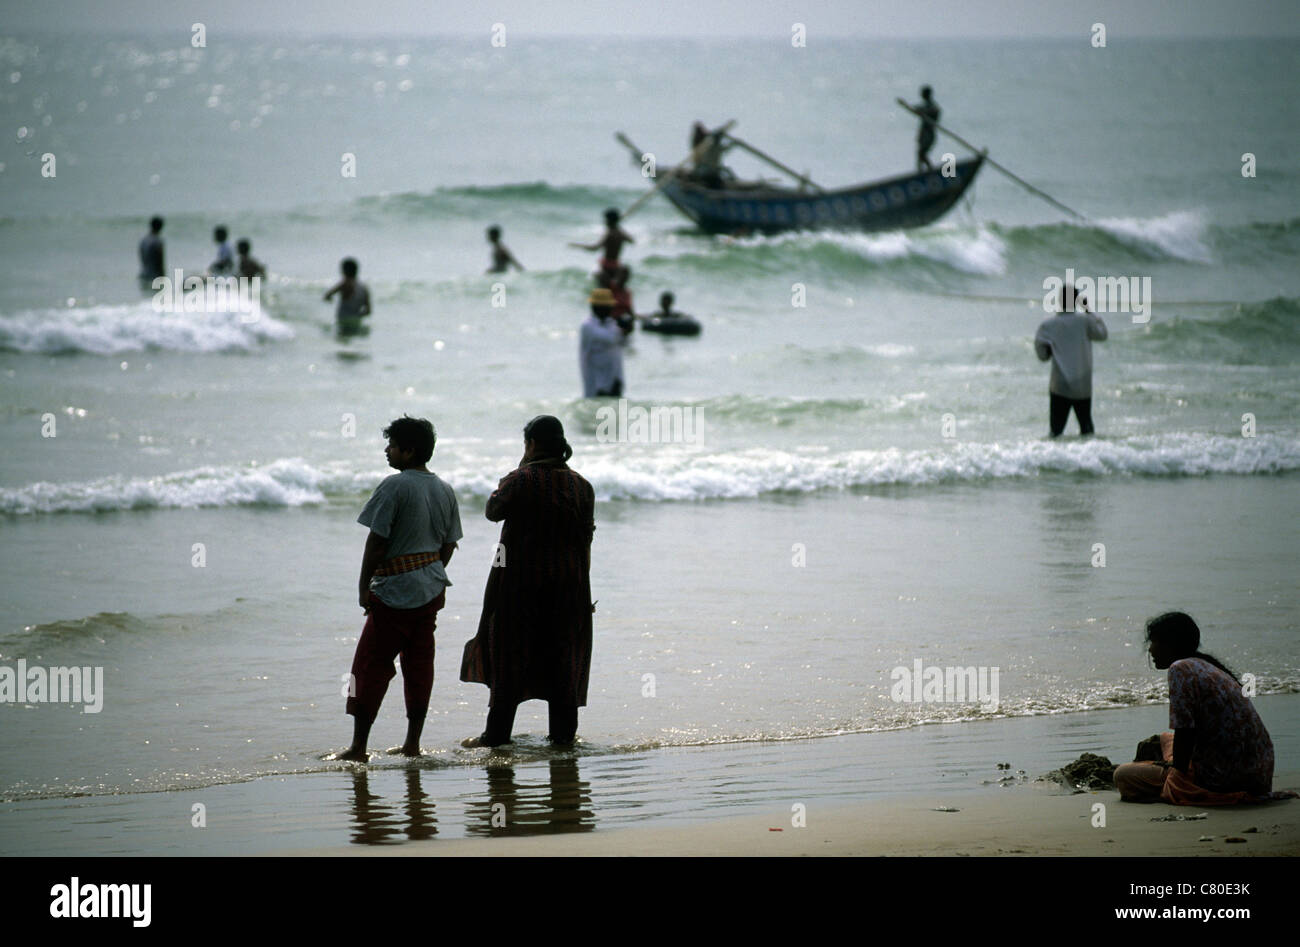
1019, 180
776, 164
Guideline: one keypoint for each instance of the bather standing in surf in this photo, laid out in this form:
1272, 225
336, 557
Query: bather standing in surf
354, 300
534, 636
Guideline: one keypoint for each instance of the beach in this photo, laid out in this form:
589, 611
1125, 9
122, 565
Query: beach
931, 790
866, 499
990, 825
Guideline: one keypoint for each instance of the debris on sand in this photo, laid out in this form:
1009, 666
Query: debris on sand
1089, 771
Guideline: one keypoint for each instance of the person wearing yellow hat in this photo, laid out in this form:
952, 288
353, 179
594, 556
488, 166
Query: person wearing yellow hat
600, 348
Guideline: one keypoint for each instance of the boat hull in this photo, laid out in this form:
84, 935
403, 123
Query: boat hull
909, 200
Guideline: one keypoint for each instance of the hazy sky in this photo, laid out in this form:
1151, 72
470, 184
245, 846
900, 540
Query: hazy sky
700, 18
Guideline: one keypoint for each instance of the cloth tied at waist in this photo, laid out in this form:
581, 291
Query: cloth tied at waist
408, 563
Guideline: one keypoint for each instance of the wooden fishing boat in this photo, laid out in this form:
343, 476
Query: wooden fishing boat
727, 205
909, 200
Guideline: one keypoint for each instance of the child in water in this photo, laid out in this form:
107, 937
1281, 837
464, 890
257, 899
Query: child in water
354, 300
249, 267
666, 307
502, 259
623, 309
611, 244
224, 264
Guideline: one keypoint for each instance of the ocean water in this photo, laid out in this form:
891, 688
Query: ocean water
872, 484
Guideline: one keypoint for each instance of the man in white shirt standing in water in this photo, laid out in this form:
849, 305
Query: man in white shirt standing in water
1066, 338
600, 348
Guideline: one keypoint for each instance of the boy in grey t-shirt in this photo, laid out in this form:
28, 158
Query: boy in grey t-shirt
414, 525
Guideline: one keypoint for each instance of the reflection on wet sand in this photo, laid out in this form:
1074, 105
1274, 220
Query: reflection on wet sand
378, 823
1069, 532
561, 804
514, 809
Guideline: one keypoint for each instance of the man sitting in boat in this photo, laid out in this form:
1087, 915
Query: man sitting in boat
708, 169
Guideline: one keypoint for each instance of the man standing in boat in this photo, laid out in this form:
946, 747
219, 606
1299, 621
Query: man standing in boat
929, 112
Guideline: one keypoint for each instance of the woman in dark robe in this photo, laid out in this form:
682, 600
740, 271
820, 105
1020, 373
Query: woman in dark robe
534, 637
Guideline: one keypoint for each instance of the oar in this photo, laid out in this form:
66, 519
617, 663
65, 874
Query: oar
1019, 180
665, 178
636, 156
627, 143
776, 164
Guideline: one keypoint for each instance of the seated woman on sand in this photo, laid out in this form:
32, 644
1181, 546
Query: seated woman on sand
1219, 753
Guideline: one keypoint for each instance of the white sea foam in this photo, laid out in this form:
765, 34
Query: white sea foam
111, 330
890, 349
982, 252
1180, 234
749, 473
282, 483
681, 474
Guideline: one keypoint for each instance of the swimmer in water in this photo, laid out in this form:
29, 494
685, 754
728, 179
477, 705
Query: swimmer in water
611, 243
502, 259
354, 300
666, 307
249, 267
151, 252
224, 264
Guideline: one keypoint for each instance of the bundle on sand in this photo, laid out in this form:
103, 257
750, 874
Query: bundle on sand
1149, 750
1089, 771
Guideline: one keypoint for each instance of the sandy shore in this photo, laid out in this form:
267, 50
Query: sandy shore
859, 794
1019, 820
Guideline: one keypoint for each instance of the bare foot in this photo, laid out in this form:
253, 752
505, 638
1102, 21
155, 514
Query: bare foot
406, 750
354, 755
481, 740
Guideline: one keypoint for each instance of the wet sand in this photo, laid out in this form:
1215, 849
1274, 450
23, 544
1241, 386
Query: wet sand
860, 793
986, 823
